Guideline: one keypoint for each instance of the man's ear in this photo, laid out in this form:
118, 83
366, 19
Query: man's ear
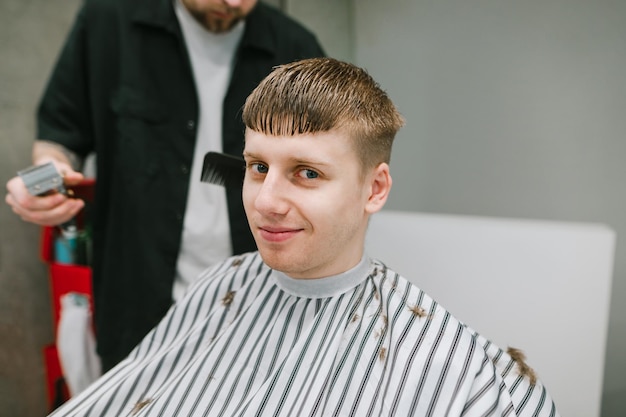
379, 187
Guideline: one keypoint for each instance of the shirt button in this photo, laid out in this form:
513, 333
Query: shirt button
191, 124
179, 215
184, 169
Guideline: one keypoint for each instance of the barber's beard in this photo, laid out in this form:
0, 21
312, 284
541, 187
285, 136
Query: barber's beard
215, 24
220, 25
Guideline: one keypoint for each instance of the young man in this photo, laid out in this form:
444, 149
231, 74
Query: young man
150, 87
310, 325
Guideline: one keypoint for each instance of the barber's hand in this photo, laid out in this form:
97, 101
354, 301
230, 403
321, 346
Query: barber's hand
47, 210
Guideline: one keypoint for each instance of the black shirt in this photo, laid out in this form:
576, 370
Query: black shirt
123, 87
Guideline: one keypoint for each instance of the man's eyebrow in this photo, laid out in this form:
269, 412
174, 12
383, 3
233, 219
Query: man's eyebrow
305, 161
294, 159
252, 155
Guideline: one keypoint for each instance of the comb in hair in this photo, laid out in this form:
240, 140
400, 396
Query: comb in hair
223, 169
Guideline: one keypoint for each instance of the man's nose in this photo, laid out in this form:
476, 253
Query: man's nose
272, 197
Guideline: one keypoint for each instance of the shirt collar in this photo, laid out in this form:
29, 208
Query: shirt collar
324, 287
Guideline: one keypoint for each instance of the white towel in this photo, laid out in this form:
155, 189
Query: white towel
76, 343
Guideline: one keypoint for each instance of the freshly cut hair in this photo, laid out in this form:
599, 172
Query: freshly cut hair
324, 94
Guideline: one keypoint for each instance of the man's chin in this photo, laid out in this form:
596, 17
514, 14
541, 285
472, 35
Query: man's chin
279, 261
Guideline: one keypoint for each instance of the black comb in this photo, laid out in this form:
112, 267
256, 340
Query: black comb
223, 169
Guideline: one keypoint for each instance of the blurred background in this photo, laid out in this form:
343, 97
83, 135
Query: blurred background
514, 109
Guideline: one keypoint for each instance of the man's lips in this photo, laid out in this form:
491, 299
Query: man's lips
277, 234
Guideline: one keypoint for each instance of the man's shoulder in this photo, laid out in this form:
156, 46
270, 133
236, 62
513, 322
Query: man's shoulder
122, 4
103, 6
408, 299
124, 9
438, 328
428, 320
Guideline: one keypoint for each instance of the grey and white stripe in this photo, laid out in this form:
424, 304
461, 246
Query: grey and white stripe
249, 341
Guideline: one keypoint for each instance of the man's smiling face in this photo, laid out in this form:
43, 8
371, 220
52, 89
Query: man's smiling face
308, 199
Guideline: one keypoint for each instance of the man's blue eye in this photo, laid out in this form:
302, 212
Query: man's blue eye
310, 174
260, 168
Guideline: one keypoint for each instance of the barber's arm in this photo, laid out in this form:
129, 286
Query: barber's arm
52, 208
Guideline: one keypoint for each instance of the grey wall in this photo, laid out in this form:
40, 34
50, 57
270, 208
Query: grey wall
331, 20
514, 109
30, 36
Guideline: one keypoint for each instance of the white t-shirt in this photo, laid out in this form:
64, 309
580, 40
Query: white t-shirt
206, 231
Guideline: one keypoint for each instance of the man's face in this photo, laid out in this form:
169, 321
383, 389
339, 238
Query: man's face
219, 15
308, 200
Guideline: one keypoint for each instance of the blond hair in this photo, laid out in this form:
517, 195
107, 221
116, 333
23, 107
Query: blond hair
323, 94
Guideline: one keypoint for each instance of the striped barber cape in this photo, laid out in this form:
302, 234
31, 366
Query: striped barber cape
246, 340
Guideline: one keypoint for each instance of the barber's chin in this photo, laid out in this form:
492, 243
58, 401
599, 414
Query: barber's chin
221, 23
